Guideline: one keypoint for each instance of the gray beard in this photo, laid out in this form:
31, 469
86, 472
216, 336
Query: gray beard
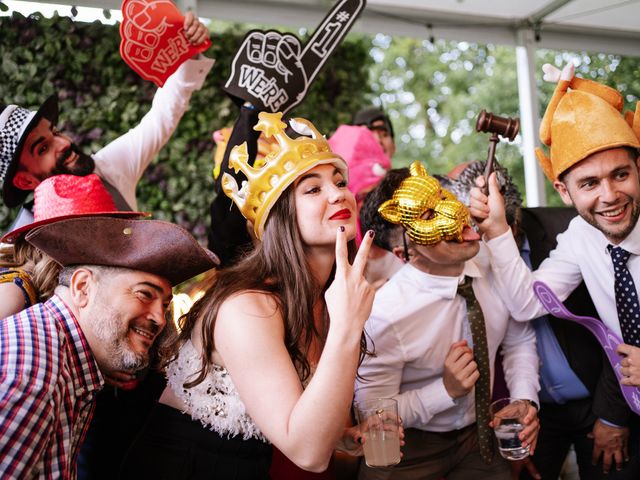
111, 331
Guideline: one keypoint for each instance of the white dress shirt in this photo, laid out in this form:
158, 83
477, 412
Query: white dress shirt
123, 161
581, 254
415, 319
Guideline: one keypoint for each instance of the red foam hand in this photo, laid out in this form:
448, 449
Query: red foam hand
153, 41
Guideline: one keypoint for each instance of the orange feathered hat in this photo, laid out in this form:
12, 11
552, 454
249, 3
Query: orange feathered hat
582, 118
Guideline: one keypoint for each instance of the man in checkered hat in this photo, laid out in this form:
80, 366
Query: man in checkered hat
106, 314
32, 148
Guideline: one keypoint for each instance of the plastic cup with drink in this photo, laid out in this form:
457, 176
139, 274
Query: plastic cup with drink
380, 428
508, 416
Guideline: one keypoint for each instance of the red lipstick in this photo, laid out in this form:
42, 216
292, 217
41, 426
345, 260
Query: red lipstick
344, 214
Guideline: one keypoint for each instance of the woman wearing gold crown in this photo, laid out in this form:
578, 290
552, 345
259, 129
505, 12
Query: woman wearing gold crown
270, 353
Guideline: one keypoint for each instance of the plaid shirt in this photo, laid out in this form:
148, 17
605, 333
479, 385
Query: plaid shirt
48, 382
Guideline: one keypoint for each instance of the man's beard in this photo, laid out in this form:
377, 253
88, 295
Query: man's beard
111, 328
82, 167
621, 235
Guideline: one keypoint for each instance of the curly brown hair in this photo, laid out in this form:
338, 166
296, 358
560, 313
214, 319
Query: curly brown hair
42, 269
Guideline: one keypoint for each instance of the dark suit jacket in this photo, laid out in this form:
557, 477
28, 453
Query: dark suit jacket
584, 353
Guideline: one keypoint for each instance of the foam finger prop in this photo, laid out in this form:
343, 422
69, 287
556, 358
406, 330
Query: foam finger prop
273, 70
153, 42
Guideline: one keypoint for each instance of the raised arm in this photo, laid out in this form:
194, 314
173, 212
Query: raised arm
305, 424
513, 278
123, 161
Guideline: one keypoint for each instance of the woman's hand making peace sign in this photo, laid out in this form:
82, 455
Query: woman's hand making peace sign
350, 296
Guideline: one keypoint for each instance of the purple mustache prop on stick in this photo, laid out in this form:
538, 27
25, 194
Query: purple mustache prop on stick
608, 339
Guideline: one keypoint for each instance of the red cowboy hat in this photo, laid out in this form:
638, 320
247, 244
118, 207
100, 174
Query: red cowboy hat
69, 196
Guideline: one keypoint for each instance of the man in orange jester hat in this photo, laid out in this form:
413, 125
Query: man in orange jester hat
593, 164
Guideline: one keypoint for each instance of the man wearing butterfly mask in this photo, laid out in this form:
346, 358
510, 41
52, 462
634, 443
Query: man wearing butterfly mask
434, 350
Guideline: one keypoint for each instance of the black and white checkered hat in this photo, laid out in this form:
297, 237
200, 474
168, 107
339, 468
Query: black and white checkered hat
15, 125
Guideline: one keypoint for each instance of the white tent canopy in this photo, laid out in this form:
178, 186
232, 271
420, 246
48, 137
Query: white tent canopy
598, 25
610, 26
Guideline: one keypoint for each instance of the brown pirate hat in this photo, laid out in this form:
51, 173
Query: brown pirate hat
151, 246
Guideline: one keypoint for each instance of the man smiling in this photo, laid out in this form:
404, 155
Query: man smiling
104, 317
593, 164
33, 149
605, 191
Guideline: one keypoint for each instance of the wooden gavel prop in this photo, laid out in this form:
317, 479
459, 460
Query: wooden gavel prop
505, 127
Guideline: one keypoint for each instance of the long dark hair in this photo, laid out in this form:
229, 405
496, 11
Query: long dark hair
278, 267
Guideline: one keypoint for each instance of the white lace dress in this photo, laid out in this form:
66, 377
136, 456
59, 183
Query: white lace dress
215, 401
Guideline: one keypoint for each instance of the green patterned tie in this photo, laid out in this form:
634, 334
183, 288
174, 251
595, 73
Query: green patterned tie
481, 354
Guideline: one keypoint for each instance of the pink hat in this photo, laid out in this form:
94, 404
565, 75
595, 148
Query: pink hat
69, 196
365, 158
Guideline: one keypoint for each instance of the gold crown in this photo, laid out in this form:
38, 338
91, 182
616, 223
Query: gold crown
288, 160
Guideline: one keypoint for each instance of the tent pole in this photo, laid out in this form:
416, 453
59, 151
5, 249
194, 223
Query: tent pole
529, 117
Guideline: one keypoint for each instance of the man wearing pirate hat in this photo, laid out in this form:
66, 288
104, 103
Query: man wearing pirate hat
593, 164
32, 148
106, 314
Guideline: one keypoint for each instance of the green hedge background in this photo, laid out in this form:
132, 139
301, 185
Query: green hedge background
101, 98
431, 90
